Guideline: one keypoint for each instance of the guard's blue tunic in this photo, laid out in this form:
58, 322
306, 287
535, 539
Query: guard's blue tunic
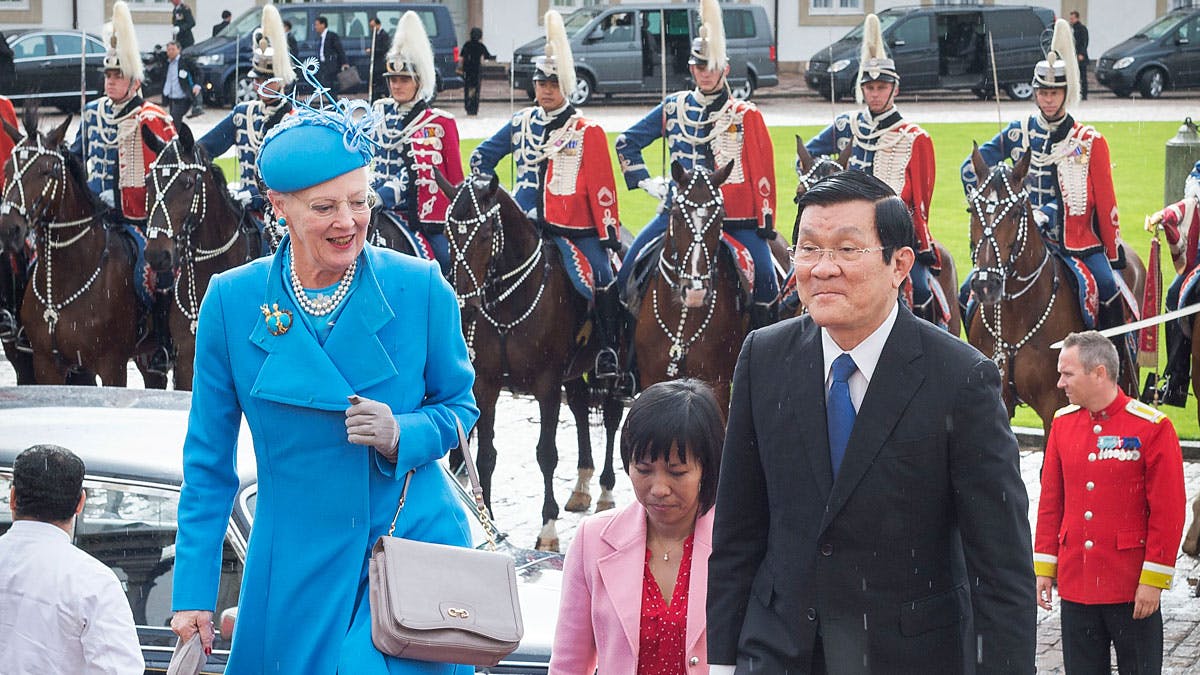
244, 127
322, 502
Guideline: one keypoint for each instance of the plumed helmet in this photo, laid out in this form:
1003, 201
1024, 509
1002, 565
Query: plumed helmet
271, 58
121, 45
708, 49
1060, 68
411, 54
874, 64
557, 64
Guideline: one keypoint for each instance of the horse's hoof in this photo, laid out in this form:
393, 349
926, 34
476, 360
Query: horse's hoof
605, 504
550, 545
579, 502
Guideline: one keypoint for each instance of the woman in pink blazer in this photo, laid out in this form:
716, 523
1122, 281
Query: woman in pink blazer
635, 580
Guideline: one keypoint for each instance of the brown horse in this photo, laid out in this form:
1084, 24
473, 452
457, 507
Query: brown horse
1023, 290
810, 170
13, 261
194, 229
80, 308
691, 322
526, 328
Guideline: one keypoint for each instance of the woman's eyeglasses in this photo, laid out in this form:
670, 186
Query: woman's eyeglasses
328, 208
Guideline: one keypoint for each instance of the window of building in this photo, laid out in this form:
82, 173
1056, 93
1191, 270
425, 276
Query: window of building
835, 7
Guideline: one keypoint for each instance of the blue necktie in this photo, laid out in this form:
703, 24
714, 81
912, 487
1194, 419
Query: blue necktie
839, 411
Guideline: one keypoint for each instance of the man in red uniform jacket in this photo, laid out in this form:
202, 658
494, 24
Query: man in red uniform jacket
1111, 514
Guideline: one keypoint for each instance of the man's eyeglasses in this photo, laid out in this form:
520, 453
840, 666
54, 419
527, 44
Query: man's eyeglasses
327, 208
808, 255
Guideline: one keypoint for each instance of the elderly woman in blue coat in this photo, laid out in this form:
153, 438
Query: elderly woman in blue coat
350, 368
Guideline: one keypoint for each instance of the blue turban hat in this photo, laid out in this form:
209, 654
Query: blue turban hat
317, 143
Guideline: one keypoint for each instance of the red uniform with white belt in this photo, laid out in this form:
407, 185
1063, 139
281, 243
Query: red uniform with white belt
1112, 502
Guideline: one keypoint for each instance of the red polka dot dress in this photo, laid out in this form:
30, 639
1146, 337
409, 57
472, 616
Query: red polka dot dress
661, 649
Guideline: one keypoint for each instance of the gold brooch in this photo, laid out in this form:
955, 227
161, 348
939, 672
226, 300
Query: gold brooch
278, 321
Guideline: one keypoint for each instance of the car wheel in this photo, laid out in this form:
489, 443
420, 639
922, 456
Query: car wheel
584, 88
1019, 91
1152, 82
746, 90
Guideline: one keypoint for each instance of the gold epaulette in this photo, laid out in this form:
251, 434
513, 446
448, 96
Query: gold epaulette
1066, 410
1136, 407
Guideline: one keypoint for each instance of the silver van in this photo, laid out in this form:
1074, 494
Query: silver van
621, 50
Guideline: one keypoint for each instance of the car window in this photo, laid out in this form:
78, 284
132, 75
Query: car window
299, 19
245, 25
886, 19
1188, 30
739, 23
1158, 27
915, 31
1017, 23
615, 28
95, 47
65, 45
30, 47
335, 22
355, 24
578, 20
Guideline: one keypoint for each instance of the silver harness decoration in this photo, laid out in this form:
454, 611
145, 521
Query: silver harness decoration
672, 272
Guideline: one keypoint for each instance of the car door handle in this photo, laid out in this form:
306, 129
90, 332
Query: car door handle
44, 64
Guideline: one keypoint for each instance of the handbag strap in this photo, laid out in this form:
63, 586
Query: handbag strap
481, 509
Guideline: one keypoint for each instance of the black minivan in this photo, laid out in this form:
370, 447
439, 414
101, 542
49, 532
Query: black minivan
225, 68
945, 48
1163, 55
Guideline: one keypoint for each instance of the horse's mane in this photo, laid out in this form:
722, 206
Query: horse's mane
78, 174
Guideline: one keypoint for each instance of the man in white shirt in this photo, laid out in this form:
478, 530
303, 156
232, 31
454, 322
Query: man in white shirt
871, 516
61, 610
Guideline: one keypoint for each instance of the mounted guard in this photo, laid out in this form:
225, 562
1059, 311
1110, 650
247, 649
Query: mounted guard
896, 151
415, 139
1070, 185
117, 159
248, 123
707, 128
1181, 224
564, 182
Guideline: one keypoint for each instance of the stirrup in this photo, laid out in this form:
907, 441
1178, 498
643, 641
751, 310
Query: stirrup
8, 325
625, 387
22, 341
159, 362
607, 366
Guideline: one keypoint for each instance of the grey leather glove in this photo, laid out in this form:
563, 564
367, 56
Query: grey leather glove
107, 197
371, 423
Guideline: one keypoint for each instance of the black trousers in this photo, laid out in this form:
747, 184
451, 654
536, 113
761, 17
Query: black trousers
1083, 79
471, 84
1088, 630
178, 107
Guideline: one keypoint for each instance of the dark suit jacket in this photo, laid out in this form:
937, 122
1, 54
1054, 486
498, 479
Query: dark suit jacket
1080, 32
921, 545
181, 18
219, 27
332, 59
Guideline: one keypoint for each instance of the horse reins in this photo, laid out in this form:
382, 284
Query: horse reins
673, 268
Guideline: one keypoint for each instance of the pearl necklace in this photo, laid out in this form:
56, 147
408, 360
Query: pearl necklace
321, 305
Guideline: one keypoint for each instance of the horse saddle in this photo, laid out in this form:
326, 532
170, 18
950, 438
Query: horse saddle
405, 239
645, 266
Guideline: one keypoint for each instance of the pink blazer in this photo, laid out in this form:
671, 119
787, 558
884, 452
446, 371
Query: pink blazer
599, 617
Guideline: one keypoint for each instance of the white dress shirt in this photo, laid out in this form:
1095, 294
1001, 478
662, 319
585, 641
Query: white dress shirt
61, 610
866, 357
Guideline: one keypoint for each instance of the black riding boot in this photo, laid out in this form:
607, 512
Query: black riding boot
161, 358
608, 322
763, 314
1172, 388
8, 325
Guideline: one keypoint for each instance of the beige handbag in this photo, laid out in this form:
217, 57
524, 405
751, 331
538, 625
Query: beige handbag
445, 604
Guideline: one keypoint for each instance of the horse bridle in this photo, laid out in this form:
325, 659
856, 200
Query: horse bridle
680, 344
810, 177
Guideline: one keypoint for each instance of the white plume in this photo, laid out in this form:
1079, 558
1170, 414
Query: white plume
281, 59
411, 45
872, 48
559, 47
711, 18
1062, 46
127, 52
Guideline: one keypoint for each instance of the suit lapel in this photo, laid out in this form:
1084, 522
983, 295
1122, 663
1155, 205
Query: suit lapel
295, 360
624, 569
811, 431
698, 581
892, 386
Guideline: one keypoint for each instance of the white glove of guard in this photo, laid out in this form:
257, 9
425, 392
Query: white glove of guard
656, 187
108, 198
371, 423
1040, 217
240, 196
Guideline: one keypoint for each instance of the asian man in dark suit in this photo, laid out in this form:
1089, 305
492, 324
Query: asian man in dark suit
871, 516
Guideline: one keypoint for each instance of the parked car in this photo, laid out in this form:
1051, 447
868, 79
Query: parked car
1163, 55
46, 67
620, 50
224, 58
944, 47
131, 442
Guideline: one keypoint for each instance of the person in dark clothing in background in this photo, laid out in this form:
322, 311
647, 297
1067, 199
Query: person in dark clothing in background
378, 50
1081, 45
472, 54
184, 22
7, 71
226, 16
180, 89
330, 54
291, 39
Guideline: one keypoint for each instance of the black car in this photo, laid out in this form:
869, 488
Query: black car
131, 442
1164, 55
46, 64
944, 47
225, 58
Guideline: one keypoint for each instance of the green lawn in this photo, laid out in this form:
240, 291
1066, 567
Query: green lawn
1137, 150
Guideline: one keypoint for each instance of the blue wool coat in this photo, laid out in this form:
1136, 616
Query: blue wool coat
322, 502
